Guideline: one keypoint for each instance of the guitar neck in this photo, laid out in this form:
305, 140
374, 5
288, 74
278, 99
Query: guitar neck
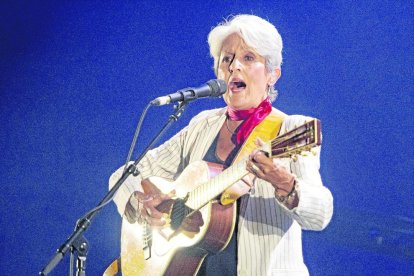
209, 190
300, 139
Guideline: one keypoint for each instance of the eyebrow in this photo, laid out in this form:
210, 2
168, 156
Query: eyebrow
247, 50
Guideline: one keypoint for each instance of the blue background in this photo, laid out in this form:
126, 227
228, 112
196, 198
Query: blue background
75, 76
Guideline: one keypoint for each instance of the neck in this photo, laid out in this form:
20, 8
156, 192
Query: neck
251, 117
238, 115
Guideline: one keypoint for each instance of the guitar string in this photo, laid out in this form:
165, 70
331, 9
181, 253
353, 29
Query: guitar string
290, 135
224, 177
215, 183
285, 138
304, 129
295, 134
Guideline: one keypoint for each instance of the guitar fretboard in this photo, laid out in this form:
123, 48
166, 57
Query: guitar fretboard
297, 140
209, 190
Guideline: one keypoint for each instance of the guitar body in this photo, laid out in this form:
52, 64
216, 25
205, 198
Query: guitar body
179, 252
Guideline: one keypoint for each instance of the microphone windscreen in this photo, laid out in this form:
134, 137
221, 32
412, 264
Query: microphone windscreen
218, 87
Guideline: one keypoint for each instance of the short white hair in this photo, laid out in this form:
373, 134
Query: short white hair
257, 33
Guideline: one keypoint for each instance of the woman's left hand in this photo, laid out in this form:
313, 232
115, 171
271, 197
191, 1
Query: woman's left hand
271, 170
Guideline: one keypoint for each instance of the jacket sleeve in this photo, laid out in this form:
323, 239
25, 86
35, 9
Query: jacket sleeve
169, 159
164, 161
315, 207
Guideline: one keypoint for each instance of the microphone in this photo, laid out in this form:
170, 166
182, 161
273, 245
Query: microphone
213, 88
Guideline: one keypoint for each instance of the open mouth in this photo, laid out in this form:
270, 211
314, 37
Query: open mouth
236, 85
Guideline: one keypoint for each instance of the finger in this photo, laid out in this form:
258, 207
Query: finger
154, 200
155, 221
253, 168
258, 172
259, 142
264, 163
142, 215
253, 154
141, 197
169, 195
149, 217
261, 157
153, 212
159, 197
256, 152
167, 219
249, 166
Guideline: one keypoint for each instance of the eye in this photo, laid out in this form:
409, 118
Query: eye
249, 57
226, 59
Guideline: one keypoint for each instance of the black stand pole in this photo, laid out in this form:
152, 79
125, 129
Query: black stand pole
77, 241
81, 246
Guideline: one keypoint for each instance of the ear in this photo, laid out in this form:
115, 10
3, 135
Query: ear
274, 76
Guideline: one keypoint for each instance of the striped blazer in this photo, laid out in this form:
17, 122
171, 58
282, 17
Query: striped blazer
269, 234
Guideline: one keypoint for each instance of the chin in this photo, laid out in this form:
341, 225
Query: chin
239, 106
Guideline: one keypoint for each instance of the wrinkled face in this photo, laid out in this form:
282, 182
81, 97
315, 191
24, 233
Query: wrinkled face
245, 72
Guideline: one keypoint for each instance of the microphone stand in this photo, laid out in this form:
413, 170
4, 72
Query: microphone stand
77, 242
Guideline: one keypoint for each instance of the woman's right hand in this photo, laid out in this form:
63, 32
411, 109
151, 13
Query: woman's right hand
153, 198
147, 203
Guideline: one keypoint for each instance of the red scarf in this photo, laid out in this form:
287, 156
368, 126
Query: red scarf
252, 117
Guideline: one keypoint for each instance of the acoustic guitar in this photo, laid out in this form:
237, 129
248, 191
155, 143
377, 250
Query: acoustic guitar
173, 251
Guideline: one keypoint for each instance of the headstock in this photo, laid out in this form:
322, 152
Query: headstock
300, 139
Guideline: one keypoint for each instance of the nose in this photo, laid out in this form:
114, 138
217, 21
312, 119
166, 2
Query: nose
234, 65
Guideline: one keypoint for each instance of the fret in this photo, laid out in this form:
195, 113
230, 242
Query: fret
215, 186
302, 138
